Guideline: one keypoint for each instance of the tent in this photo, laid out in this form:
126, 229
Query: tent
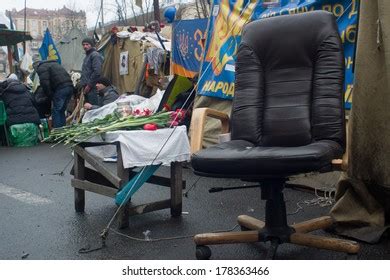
71, 50
123, 54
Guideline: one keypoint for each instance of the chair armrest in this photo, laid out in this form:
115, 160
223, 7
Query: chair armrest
342, 164
198, 121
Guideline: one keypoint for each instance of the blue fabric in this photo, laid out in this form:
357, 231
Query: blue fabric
61, 98
48, 50
134, 184
187, 46
227, 20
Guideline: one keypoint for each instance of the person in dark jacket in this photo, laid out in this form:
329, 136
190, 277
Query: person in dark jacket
91, 70
107, 93
57, 85
18, 103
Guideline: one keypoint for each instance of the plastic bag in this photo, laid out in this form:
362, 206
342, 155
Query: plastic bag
26, 64
24, 135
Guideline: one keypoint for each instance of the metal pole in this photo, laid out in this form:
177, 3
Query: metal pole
24, 34
101, 6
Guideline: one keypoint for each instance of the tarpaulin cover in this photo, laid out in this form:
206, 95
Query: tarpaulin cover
71, 50
111, 53
363, 197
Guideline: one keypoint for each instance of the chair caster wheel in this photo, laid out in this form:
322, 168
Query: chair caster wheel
203, 252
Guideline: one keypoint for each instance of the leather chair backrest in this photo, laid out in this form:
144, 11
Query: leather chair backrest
290, 81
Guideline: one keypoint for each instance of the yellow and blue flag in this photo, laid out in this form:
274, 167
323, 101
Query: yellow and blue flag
226, 23
48, 50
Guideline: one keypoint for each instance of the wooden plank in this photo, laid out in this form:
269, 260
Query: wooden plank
149, 207
97, 178
159, 180
227, 237
92, 187
94, 144
123, 174
99, 166
198, 121
79, 194
176, 189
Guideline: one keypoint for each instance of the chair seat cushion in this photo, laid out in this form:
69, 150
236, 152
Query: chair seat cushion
241, 159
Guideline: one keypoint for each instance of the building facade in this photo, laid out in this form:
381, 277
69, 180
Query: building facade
58, 21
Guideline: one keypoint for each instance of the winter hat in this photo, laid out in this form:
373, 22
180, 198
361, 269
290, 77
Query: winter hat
104, 81
89, 41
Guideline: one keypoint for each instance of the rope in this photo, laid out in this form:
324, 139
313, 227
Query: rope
88, 249
325, 200
185, 194
147, 239
61, 173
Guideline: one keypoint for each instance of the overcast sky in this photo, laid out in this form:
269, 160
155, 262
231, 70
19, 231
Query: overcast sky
90, 6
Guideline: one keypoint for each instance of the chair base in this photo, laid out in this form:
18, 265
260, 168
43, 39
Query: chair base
253, 232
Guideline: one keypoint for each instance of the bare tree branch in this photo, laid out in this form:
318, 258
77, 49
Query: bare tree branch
197, 8
133, 11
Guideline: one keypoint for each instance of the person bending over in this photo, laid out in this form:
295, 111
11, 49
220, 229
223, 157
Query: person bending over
57, 85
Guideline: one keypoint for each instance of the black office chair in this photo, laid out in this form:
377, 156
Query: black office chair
287, 118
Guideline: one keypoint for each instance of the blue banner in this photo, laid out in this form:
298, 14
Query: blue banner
48, 50
224, 35
188, 45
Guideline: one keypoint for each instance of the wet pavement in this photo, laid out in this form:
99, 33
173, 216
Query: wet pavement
38, 221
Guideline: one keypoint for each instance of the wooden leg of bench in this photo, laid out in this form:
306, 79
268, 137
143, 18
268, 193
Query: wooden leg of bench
176, 189
79, 173
124, 174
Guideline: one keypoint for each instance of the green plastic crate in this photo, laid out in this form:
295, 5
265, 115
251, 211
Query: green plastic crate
24, 135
